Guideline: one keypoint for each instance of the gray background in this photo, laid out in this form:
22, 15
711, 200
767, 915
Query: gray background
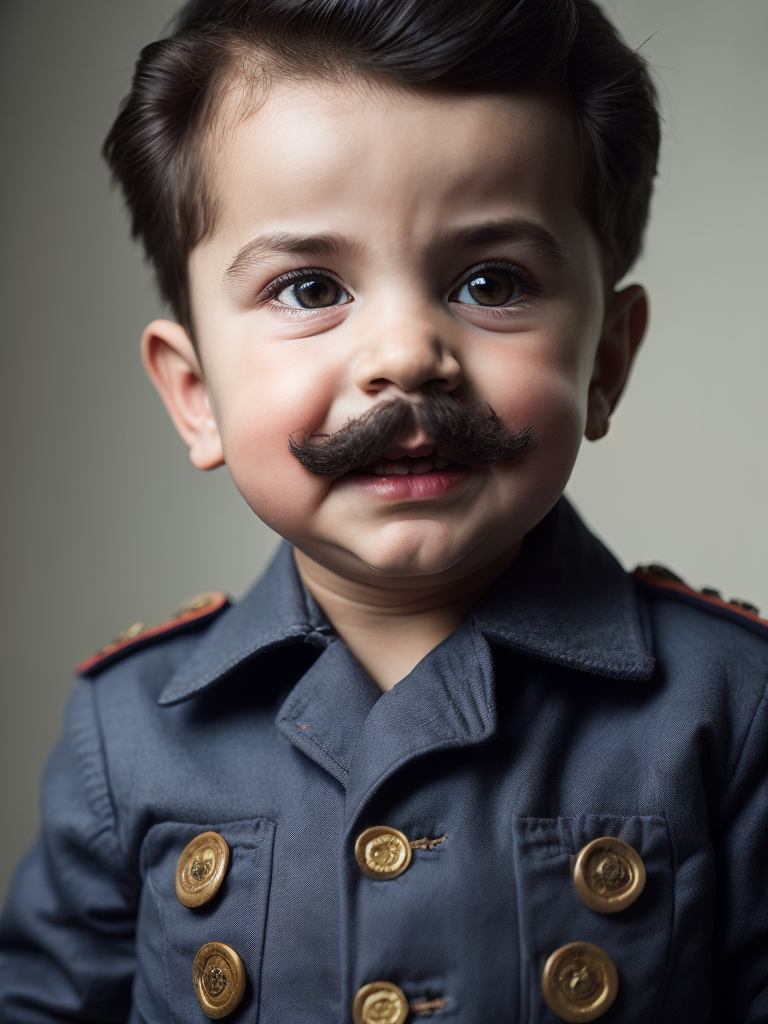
105, 521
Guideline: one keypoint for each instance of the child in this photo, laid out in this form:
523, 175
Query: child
446, 759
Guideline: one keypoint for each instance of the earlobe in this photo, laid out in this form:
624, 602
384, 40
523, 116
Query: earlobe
598, 415
172, 365
623, 329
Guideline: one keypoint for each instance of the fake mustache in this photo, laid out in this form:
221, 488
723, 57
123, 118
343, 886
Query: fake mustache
474, 437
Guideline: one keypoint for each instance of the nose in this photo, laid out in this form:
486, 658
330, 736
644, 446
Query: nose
409, 349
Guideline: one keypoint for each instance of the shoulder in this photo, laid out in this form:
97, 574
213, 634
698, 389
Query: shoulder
712, 652
194, 615
711, 676
660, 584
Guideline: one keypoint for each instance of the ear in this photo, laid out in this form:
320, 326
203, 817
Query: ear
623, 328
172, 365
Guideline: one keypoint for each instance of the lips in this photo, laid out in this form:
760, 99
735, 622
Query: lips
414, 472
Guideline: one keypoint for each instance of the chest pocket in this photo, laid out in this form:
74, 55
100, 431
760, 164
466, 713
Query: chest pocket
222, 872
635, 935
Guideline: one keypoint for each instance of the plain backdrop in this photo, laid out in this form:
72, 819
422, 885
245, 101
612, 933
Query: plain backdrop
104, 520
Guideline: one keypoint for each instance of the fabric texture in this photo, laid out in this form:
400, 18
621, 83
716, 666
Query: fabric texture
570, 705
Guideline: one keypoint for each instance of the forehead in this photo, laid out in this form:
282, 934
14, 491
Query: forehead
360, 159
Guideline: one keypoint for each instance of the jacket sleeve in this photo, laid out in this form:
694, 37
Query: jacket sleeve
66, 935
741, 847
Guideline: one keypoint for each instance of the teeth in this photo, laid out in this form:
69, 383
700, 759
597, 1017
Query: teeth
405, 466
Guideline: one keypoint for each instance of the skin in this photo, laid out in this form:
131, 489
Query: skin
395, 175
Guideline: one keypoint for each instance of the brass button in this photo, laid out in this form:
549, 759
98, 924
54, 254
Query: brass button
381, 1002
579, 982
219, 979
609, 875
201, 869
382, 852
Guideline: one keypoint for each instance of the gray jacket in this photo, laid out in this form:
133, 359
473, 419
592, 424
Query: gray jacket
576, 703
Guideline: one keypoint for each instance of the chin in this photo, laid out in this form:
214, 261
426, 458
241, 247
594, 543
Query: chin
416, 553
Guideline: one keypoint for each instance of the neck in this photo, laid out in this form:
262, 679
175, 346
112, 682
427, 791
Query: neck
389, 629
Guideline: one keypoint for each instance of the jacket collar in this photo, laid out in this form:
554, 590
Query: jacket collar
277, 612
565, 600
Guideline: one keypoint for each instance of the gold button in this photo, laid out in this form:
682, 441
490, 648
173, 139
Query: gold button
609, 875
579, 982
381, 1002
201, 869
382, 852
219, 979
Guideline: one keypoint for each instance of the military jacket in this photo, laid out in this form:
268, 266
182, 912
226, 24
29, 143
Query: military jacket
422, 852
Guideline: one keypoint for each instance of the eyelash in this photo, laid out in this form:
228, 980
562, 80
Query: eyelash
532, 290
513, 269
292, 277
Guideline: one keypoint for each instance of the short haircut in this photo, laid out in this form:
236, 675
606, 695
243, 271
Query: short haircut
156, 145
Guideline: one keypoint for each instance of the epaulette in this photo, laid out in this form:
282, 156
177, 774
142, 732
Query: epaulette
659, 579
194, 612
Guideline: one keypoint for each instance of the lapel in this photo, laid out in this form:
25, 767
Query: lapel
566, 601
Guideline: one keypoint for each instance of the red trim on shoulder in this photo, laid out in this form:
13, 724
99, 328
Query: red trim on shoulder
669, 584
198, 610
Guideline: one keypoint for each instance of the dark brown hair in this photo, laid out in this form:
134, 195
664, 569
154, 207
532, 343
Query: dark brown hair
473, 436
155, 147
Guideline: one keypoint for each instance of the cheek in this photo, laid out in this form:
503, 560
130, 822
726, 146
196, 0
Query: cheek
262, 405
552, 406
275, 485
267, 389
552, 400
549, 397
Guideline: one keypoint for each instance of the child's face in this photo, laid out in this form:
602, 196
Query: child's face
437, 240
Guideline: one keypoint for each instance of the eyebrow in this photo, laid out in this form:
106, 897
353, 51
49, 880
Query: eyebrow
510, 230
260, 249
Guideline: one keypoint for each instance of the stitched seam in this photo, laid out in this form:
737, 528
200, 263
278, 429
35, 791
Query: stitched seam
745, 744
459, 715
305, 737
716, 605
525, 992
367, 796
249, 845
310, 741
266, 917
108, 791
193, 688
578, 663
88, 742
483, 650
117, 649
297, 712
166, 957
657, 1005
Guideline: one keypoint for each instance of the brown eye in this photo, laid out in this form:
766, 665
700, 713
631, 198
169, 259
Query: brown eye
312, 292
490, 287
